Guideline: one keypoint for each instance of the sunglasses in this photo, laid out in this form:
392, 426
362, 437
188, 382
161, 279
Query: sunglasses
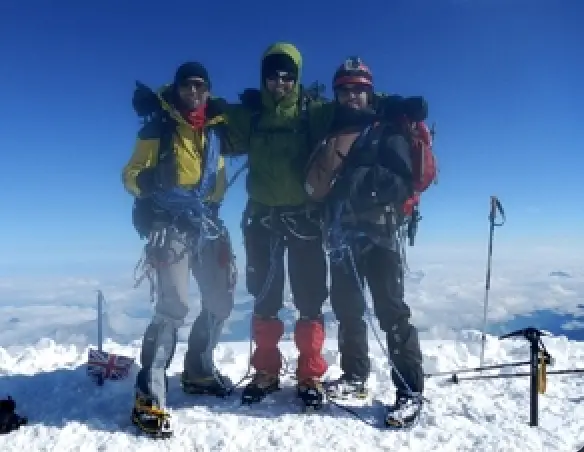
355, 89
283, 76
189, 84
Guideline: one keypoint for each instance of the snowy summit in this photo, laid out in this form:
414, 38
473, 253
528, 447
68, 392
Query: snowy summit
67, 411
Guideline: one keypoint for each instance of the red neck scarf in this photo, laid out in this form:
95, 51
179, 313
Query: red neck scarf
196, 117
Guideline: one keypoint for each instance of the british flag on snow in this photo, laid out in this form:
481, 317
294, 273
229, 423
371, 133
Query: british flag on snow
108, 365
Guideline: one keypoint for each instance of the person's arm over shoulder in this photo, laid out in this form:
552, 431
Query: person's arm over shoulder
235, 124
144, 156
320, 118
218, 125
395, 107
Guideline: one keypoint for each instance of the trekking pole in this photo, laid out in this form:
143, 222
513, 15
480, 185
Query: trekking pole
100, 320
495, 207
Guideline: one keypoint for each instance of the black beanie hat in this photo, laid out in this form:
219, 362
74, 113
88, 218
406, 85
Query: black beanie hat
278, 62
191, 69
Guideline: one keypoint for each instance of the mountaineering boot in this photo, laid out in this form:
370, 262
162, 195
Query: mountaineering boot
216, 384
149, 418
347, 386
311, 393
200, 375
404, 413
309, 338
259, 387
266, 359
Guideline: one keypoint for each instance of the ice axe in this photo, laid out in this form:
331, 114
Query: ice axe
101, 365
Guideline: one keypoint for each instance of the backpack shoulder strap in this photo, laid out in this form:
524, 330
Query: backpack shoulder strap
157, 123
167, 129
160, 126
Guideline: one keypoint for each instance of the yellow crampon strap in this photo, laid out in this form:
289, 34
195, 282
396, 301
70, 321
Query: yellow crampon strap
542, 374
157, 412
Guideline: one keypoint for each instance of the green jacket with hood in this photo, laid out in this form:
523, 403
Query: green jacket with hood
281, 141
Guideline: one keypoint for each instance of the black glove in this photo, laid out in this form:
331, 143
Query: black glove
251, 98
160, 177
145, 101
215, 107
416, 108
393, 108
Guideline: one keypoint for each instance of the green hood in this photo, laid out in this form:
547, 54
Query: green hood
287, 105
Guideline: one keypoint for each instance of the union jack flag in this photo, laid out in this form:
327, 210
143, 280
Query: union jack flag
108, 365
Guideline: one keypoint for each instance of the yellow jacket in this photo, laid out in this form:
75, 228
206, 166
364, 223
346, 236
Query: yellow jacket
188, 145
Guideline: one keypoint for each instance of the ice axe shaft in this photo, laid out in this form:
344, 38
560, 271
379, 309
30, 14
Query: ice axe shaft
476, 369
495, 208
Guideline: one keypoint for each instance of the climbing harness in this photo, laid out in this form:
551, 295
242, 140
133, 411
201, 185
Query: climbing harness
190, 205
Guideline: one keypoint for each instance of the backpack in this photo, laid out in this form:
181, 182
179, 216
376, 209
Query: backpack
424, 166
325, 164
425, 171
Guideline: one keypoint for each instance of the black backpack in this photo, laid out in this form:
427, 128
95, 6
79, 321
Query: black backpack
147, 106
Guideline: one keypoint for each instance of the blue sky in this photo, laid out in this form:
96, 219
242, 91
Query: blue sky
504, 81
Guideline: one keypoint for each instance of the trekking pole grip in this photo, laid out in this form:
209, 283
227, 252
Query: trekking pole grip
496, 207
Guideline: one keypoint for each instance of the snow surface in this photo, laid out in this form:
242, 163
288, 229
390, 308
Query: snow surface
47, 325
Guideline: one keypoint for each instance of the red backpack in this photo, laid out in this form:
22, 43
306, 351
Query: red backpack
423, 164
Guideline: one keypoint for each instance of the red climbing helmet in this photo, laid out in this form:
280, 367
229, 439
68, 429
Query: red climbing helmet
353, 71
